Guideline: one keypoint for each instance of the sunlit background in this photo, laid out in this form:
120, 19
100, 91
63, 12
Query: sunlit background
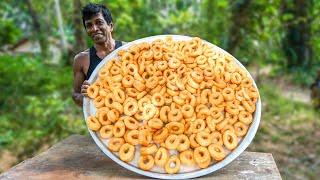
277, 40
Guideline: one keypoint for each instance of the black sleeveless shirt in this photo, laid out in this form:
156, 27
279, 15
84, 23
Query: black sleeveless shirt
95, 60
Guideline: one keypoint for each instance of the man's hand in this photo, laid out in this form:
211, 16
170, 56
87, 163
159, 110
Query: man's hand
78, 97
84, 88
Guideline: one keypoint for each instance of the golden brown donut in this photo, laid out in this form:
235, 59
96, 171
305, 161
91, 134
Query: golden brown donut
132, 137
172, 142
217, 152
161, 157
126, 152
201, 156
230, 140
148, 150
161, 135
203, 138
93, 91
106, 131
131, 123
183, 143
155, 123
115, 144
172, 165
175, 127
119, 129
130, 108
186, 157
245, 117
93, 123
240, 129
146, 162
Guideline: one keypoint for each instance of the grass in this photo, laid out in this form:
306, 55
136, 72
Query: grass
290, 131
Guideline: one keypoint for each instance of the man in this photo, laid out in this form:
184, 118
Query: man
97, 21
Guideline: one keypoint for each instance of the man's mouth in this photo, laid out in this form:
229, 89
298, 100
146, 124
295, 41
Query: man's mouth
97, 35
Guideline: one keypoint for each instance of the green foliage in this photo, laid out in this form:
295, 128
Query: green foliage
9, 34
36, 108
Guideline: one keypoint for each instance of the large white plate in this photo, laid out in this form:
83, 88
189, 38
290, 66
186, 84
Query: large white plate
89, 109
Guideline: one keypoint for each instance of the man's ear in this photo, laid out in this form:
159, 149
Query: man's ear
111, 27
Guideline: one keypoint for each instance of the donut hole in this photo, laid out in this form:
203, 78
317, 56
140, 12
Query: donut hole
147, 76
145, 161
175, 128
217, 150
173, 164
110, 100
205, 137
201, 154
148, 110
131, 69
130, 107
106, 130
216, 139
158, 132
126, 150
188, 156
158, 98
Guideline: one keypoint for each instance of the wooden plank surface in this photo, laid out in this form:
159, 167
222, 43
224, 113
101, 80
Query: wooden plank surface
77, 157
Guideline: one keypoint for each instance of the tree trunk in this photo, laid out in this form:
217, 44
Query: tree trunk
60, 25
38, 33
210, 19
79, 34
239, 21
296, 42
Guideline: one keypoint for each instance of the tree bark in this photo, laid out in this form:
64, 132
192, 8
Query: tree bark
79, 34
296, 42
38, 33
60, 25
240, 20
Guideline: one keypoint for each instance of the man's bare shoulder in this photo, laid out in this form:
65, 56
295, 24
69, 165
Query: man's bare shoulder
81, 56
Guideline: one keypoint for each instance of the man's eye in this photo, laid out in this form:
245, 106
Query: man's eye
89, 25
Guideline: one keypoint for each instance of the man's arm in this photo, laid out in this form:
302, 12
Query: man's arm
78, 79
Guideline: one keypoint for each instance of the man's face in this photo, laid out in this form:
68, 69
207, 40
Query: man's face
98, 29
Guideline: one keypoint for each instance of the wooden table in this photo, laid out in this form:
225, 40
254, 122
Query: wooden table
77, 157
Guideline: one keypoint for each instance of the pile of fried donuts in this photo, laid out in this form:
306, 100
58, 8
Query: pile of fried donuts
181, 103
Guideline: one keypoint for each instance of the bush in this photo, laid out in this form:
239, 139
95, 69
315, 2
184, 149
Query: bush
35, 105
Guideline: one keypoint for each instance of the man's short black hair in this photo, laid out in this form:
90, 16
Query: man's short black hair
91, 10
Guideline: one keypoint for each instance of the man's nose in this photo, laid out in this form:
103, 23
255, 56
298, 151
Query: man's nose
94, 28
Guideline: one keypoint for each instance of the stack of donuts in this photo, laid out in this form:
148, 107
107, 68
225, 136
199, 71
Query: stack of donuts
172, 103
